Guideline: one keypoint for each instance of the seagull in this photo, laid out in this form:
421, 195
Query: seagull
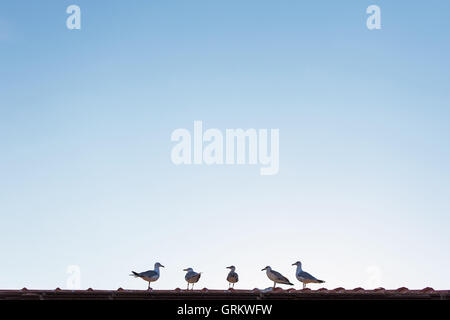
191, 277
303, 276
150, 275
232, 277
276, 277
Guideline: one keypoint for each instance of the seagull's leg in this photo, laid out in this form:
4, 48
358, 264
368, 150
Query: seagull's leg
274, 284
187, 286
149, 286
192, 286
304, 285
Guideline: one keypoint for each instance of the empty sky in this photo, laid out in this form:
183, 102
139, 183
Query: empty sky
86, 179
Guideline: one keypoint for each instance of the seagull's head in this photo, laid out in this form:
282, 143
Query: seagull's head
231, 267
159, 265
298, 263
188, 269
266, 268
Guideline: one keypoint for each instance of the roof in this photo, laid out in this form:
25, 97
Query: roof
231, 294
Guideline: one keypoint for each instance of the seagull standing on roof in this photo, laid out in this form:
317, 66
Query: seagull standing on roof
191, 277
303, 276
276, 277
232, 277
150, 275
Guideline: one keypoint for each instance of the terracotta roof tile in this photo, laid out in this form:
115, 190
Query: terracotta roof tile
291, 293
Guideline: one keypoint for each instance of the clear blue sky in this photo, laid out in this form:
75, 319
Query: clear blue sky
86, 117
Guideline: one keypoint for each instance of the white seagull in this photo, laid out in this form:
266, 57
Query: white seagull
232, 277
276, 277
150, 275
191, 277
303, 276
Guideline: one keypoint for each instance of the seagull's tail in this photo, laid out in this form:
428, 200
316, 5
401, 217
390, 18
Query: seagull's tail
134, 274
320, 281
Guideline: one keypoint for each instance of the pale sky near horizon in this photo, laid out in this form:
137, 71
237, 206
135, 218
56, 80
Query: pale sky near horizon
362, 196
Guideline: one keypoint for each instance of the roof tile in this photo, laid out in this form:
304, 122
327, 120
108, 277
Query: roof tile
291, 293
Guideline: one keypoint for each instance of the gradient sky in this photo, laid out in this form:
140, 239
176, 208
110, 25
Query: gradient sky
362, 197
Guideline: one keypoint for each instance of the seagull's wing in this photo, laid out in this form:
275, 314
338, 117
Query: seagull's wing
307, 276
148, 274
281, 278
233, 277
192, 276
197, 277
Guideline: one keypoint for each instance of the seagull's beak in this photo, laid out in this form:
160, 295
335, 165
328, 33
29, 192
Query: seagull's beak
185, 269
294, 264
263, 269
162, 266
228, 267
